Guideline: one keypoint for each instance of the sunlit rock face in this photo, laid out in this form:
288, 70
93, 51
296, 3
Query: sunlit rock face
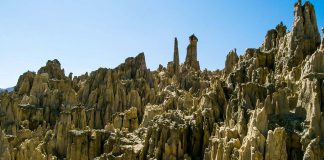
322, 45
267, 104
191, 58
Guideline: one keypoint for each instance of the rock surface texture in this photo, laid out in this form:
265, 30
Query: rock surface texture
191, 58
266, 104
322, 45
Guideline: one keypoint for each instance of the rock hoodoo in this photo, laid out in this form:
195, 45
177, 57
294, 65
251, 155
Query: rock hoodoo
231, 61
176, 62
267, 103
303, 39
191, 58
322, 46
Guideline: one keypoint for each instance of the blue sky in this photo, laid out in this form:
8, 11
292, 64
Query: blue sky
85, 35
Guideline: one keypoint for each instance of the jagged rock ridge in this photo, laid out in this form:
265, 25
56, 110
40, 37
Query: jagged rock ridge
265, 104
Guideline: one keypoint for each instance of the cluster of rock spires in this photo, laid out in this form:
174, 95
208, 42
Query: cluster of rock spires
265, 104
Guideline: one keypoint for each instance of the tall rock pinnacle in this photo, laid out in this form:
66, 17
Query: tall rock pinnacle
322, 46
191, 58
231, 61
273, 37
176, 56
53, 69
305, 35
302, 41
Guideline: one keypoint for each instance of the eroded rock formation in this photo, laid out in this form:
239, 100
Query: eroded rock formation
267, 104
322, 46
191, 58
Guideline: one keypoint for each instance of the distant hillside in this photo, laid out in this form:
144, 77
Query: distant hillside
7, 89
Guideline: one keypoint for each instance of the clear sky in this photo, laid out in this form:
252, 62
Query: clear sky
87, 34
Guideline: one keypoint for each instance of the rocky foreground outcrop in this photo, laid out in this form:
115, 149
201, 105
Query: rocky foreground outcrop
267, 104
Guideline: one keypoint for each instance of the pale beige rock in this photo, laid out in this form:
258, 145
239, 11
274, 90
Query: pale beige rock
314, 65
85, 144
61, 132
171, 130
53, 69
313, 150
126, 120
322, 45
253, 145
276, 145
40, 85
223, 145
176, 61
231, 60
265, 104
274, 37
191, 58
25, 83
150, 112
302, 41
4, 146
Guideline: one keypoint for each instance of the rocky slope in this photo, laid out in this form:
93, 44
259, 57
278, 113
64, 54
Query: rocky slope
267, 104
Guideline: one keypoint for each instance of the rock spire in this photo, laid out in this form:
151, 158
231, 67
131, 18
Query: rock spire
231, 61
191, 58
305, 35
322, 46
301, 42
273, 37
176, 57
